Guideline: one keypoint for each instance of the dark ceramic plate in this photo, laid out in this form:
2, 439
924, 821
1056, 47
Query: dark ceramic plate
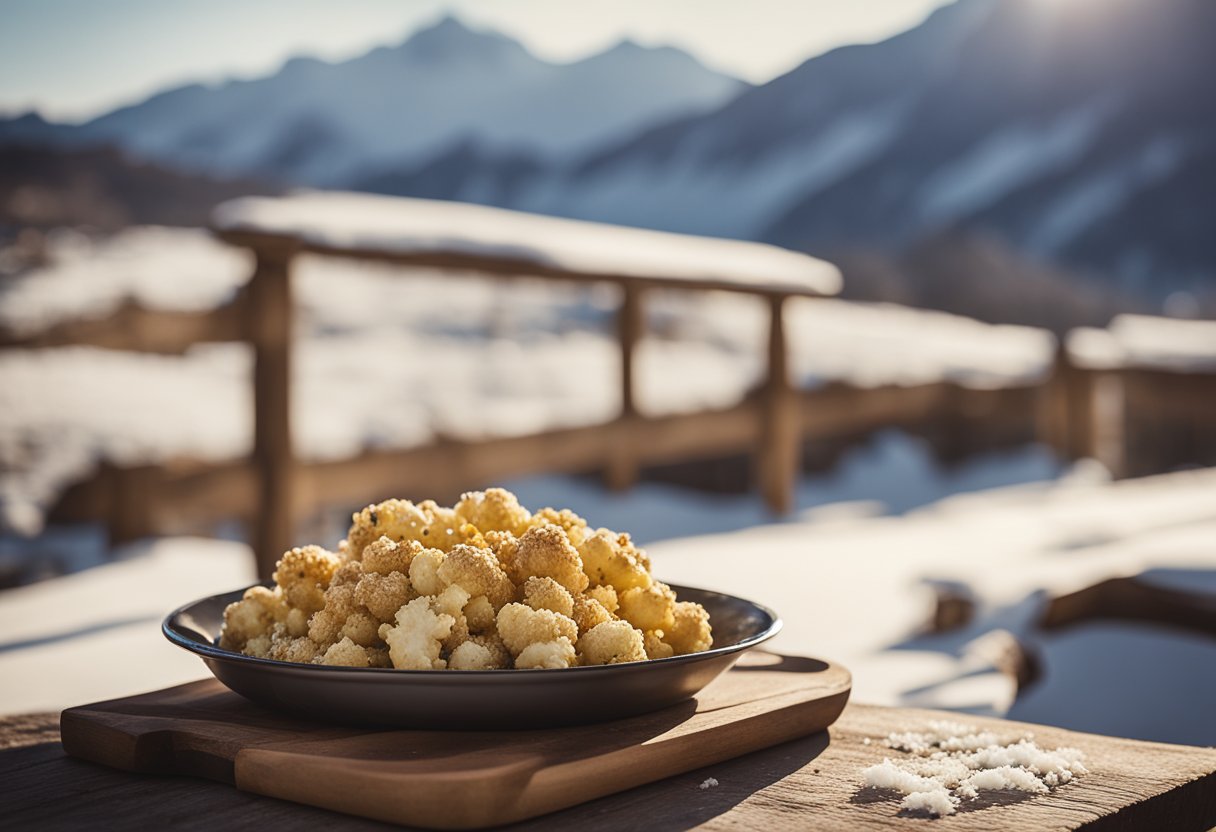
475, 699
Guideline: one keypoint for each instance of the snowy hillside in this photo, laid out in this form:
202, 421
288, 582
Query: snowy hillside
321, 122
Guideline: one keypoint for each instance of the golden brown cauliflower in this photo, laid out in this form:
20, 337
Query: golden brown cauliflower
286, 648
691, 631
383, 593
494, 509
549, 655
471, 656
348, 573
416, 640
443, 530
606, 595
650, 608
483, 585
612, 642
304, 574
545, 551
656, 648
346, 653
611, 559
386, 555
504, 545
252, 616
478, 571
424, 572
325, 626
519, 625
362, 628
588, 612
480, 615
574, 526
396, 519
544, 593
499, 654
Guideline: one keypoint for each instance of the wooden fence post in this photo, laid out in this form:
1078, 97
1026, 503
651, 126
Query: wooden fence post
780, 434
270, 329
621, 470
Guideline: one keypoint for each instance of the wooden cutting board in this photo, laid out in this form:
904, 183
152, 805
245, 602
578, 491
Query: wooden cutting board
453, 779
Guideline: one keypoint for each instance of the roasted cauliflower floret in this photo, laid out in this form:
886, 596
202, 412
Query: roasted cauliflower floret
424, 572
384, 593
691, 631
479, 614
588, 612
348, 573
519, 625
471, 656
545, 551
443, 531
612, 642
396, 519
252, 616
325, 626
417, 639
494, 509
287, 648
544, 593
574, 526
386, 555
304, 574
346, 653
362, 628
478, 571
656, 648
650, 608
606, 595
504, 545
550, 655
259, 646
611, 559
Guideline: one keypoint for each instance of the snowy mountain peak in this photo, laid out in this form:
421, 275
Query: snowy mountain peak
450, 40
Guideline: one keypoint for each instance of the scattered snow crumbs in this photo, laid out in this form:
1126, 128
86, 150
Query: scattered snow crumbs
709, 783
955, 762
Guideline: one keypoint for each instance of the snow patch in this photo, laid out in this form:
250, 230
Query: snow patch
408, 226
1146, 342
951, 762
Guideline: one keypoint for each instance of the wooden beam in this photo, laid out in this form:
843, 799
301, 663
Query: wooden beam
780, 458
622, 468
270, 331
188, 495
134, 327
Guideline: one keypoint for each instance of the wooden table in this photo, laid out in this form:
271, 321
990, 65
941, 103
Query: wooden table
807, 784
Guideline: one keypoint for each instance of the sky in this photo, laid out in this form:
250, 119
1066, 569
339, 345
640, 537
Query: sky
72, 59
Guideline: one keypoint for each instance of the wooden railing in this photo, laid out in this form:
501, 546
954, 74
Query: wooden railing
1080, 412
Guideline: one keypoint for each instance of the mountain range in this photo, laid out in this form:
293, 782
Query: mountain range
321, 123
1077, 132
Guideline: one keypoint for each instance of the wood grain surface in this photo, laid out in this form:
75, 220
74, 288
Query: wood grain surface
810, 783
454, 780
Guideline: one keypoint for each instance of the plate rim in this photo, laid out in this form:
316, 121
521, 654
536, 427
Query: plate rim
214, 651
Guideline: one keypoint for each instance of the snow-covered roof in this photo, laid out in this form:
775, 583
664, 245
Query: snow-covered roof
1146, 342
396, 226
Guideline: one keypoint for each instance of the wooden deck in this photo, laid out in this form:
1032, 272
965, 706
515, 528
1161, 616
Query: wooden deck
810, 783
